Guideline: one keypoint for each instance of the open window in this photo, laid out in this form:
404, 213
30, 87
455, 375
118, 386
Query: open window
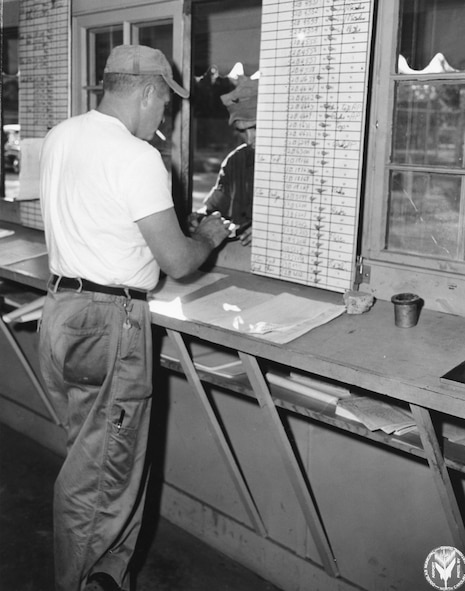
225, 46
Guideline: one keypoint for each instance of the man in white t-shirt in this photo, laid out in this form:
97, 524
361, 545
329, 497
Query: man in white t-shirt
110, 226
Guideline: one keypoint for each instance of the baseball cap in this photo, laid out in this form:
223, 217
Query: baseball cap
142, 60
242, 101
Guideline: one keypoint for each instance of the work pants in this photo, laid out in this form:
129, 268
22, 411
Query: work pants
96, 360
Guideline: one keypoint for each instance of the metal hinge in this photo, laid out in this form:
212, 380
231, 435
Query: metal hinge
362, 272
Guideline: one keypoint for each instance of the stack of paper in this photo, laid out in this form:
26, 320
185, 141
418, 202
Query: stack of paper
277, 318
4, 233
320, 384
454, 432
311, 388
375, 414
221, 362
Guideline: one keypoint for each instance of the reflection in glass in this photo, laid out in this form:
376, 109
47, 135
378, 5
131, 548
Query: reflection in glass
100, 42
9, 104
159, 35
424, 214
429, 28
156, 34
429, 123
225, 43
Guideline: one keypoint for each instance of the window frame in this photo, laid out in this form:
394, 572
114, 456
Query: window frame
131, 17
438, 281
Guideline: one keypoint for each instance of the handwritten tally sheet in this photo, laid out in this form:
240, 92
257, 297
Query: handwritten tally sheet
279, 319
310, 139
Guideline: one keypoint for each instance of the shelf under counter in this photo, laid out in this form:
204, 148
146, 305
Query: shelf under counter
305, 406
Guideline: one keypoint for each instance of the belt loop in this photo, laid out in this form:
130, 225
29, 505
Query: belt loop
126, 291
80, 285
54, 286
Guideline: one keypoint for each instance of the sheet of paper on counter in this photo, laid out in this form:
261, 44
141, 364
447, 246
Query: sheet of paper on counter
169, 289
221, 307
276, 318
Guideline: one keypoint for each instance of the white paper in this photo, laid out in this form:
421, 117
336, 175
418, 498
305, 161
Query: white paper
284, 317
289, 384
221, 307
29, 174
169, 289
280, 318
375, 414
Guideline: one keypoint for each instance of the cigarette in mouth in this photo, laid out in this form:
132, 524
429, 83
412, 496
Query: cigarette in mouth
161, 135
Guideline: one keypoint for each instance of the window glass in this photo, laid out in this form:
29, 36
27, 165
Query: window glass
225, 44
424, 215
10, 136
99, 45
157, 34
431, 34
429, 123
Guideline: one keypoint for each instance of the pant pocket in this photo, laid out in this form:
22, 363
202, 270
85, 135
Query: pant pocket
87, 345
127, 428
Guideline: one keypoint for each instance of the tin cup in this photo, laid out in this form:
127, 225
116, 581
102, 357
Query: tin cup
406, 309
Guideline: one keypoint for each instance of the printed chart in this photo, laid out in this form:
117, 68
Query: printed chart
310, 126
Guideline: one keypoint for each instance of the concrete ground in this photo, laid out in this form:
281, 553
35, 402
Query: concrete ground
176, 561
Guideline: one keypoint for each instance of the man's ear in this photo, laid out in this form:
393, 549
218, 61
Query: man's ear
147, 93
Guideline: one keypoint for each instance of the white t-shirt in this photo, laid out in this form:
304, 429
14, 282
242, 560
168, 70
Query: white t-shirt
96, 181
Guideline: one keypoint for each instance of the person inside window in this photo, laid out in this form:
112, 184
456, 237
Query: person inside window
232, 194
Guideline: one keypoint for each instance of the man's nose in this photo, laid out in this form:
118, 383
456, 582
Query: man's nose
249, 135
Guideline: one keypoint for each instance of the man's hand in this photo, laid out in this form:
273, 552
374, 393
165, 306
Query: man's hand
177, 254
246, 237
213, 228
193, 221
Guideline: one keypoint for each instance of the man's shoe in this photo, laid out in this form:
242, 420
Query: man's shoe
101, 582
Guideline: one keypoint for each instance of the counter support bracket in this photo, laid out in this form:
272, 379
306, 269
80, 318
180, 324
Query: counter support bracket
30, 372
217, 433
440, 474
291, 465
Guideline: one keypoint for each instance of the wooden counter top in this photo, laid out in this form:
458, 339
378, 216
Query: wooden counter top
32, 271
366, 350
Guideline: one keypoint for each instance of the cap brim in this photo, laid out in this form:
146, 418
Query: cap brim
178, 89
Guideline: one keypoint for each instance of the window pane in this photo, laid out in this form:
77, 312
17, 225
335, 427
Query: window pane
159, 35
224, 33
429, 123
432, 29
10, 134
100, 42
424, 215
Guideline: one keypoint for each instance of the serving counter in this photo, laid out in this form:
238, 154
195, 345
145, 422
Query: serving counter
279, 481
